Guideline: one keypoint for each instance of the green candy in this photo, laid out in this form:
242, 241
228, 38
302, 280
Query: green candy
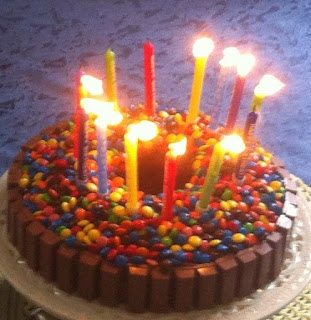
167, 241
249, 226
85, 202
174, 232
113, 219
192, 222
26, 167
60, 229
65, 198
47, 197
226, 195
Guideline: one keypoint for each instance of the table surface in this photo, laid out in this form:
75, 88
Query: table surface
43, 44
293, 279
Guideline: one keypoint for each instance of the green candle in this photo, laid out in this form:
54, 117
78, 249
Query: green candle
233, 143
111, 77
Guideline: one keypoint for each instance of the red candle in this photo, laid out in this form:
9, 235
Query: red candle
80, 95
244, 66
150, 106
235, 103
170, 175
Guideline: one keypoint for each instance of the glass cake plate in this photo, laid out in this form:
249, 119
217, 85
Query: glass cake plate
261, 304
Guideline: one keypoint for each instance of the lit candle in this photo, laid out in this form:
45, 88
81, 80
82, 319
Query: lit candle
150, 106
145, 130
111, 77
201, 50
83, 148
233, 143
244, 66
170, 176
105, 115
267, 86
229, 60
86, 85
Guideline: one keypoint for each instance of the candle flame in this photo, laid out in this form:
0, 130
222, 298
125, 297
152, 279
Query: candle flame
113, 118
245, 64
178, 148
92, 85
233, 143
144, 130
98, 107
268, 85
203, 47
231, 57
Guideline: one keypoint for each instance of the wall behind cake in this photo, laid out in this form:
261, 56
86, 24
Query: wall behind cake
44, 43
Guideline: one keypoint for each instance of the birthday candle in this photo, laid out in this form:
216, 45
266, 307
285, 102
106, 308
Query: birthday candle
170, 175
111, 77
150, 107
101, 131
267, 86
229, 60
232, 143
244, 66
83, 148
201, 50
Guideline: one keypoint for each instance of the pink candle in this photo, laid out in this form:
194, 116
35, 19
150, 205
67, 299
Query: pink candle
170, 175
244, 66
150, 106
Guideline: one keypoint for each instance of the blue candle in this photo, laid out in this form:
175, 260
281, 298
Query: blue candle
83, 148
101, 129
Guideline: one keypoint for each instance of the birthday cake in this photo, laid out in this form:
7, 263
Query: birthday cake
157, 248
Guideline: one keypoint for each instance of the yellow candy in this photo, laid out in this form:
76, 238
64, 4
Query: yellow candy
238, 237
260, 150
142, 232
66, 207
263, 219
53, 143
39, 197
211, 142
188, 247
147, 211
175, 247
199, 157
92, 187
62, 144
171, 138
80, 235
188, 186
232, 204
93, 234
72, 202
75, 166
119, 210
197, 164
269, 189
65, 233
224, 205
66, 133
178, 118
86, 240
88, 227
120, 191
215, 242
195, 241
197, 134
23, 182
219, 214
163, 114
83, 223
162, 230
262, 163
115, 196
38, 176
262, 206
279, 195
179, 203
275, 185
38, 213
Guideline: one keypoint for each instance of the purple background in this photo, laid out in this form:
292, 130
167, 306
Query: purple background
43, 44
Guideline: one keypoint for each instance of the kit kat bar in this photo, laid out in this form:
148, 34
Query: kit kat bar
247, 261
207, 284
88, 277
275, 239
284, 226
14, 195
264, 253
184, 287
13, 209
31, 143
160, 291
19, 158
49, 243
112, 280
228, 270
138, 288
14, 175
67, 268
22, 219
32, 243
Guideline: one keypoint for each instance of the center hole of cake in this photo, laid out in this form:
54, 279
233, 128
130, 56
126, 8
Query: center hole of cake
151, 170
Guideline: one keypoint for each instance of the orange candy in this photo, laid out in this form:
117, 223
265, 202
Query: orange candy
252, 239
142, 251
80, 214
117, 182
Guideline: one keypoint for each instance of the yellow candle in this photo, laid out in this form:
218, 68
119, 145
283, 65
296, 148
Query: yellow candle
131, 172
201, 50
232, 143
111, 77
